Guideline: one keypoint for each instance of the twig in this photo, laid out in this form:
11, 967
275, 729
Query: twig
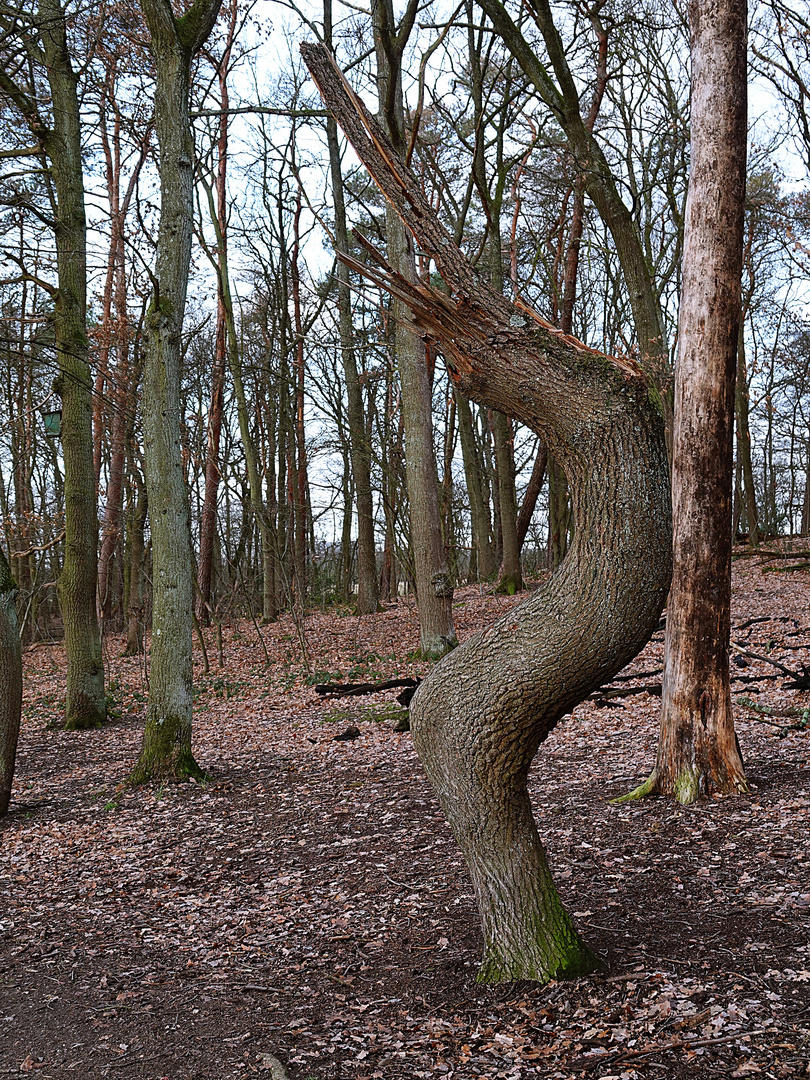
44, 547
800, 678
676, 1044
402, 885
604, 696
253, 617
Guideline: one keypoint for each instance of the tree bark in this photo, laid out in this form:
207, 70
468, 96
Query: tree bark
137, 556
367, 584
480, 715
434, 586
166, 748
10, 681
698, 751
44, 39
480, 523
208, 518
748, 492
531, 494
510, 575
85, 704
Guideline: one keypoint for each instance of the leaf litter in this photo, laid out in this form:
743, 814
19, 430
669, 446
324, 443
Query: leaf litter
308, 905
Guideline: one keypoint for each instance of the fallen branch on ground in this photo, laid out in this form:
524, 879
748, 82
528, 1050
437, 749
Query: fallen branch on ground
359, 689
767, 710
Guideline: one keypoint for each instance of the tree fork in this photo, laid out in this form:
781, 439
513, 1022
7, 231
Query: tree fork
480, 715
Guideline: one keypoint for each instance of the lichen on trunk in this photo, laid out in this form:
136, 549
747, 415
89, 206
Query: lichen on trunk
166, 749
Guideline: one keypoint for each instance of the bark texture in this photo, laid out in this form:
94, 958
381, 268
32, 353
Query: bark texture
166, 749
698, 751
479, 717
10, 681
60, 139
367, 584
434, 585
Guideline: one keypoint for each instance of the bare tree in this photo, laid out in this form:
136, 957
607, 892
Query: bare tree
166, 749
481, 714
434, 586
698, 751
40, 42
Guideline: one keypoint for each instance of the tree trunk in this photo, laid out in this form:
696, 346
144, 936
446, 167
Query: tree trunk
748, 490
480, 715
480, 523
434, 586
698, 751
208, 517
300, 489
137, 556
367, 584
166, 749
531, 494
510, 576
559, 514
10, 681
85, 705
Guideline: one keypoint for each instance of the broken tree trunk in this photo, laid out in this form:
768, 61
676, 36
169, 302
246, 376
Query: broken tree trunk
480, 715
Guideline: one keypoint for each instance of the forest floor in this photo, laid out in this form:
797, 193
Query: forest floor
308, 903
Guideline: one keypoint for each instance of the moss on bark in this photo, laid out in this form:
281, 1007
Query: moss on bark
557, 954
166, 752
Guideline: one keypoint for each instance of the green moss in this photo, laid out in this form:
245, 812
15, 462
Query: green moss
85, 713
509, 585
565, 958
166, 752
655, 399
686, 788
641, 792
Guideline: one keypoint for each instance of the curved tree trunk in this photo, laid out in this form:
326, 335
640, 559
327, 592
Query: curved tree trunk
10, 681
480, 715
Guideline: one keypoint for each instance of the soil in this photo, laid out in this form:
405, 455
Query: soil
307, 909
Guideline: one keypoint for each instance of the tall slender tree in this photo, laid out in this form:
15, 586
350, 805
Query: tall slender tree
434, 586
41, 40
367, 583
698, 751
166, 748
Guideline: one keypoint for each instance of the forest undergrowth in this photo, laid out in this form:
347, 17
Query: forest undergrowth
307, 903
